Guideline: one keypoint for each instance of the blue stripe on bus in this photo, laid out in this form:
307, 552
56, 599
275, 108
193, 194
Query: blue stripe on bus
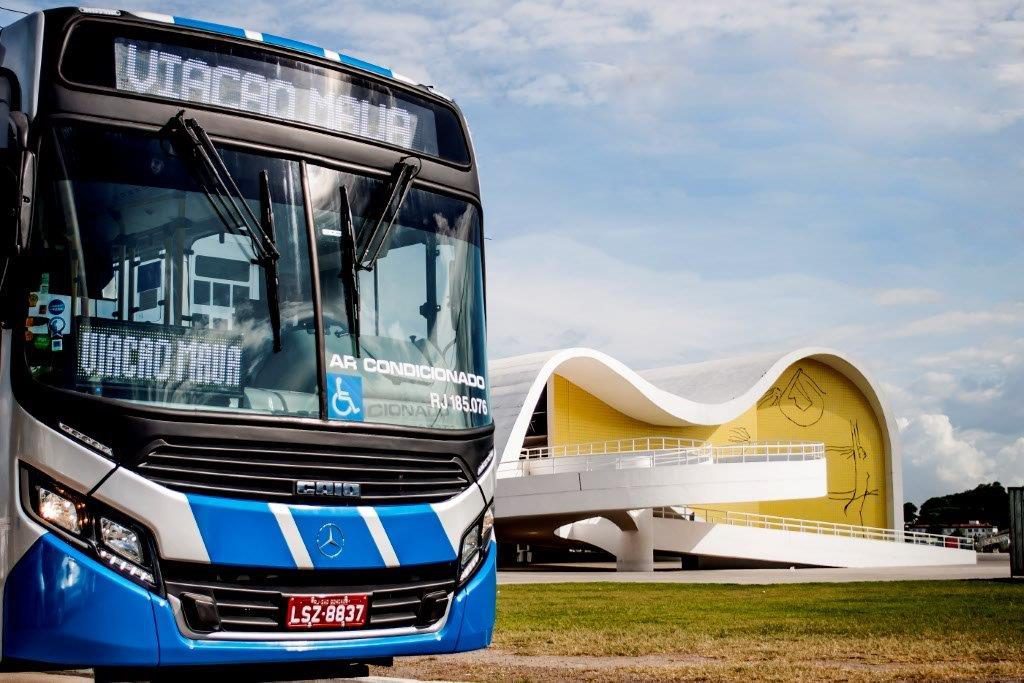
297, 45
281, 41
246, 532
416, 534
209, 26
240, 532
358, 550
366, 66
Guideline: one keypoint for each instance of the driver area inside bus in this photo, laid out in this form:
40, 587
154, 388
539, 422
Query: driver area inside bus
126, 238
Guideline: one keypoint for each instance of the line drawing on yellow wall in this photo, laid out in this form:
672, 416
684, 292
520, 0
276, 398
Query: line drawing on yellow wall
855, 452
802, 402
739, 435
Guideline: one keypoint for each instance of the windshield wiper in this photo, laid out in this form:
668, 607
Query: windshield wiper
373, 243
230, 206
217, 183
270, 268
349, 274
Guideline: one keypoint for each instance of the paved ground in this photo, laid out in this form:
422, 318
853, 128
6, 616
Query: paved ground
992, 566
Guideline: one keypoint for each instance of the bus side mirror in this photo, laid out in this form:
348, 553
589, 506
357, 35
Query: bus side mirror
8, 180
13, 161
17, 169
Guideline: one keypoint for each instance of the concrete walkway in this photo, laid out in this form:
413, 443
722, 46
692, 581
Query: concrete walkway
991, 566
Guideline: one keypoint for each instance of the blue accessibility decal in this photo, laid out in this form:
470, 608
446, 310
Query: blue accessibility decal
344, 397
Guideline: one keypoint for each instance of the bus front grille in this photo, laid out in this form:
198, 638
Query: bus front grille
272, 472
255, 600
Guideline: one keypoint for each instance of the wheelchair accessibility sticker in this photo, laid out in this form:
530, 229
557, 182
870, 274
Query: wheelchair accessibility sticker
344, 397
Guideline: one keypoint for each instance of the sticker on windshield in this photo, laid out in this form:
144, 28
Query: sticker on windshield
423, 374
458, 403
344, 397
453, 390
48, 320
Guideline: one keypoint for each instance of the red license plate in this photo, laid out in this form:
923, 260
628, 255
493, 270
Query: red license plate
327, 611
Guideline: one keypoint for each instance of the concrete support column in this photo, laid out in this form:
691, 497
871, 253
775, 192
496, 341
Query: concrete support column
636, 548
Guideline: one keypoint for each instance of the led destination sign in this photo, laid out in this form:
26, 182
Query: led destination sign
113, 353
309, 95
182, 67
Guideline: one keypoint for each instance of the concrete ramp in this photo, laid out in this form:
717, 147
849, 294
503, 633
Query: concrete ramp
760, 538
536, 496
586, 494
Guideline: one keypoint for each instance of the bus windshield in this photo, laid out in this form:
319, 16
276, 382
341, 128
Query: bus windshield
138, 290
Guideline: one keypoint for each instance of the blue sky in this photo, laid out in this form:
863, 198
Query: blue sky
673, 182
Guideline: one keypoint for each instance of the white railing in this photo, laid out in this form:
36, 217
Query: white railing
811, 527
643, 444
651, 452
770, 451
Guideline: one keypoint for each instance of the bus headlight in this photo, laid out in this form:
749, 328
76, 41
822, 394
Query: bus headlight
58, 510
132, 571
123, 545
487, 527
121, 540
475, 543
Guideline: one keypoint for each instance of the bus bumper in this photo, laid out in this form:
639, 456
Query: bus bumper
61, 607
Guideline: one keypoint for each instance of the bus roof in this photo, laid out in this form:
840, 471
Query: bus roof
268, 39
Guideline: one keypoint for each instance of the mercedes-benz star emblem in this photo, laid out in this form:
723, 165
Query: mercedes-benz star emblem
329, 540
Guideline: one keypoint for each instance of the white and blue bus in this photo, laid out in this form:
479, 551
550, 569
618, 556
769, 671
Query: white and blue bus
243, 374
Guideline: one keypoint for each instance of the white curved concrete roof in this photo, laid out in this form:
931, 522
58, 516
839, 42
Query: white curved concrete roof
710, 393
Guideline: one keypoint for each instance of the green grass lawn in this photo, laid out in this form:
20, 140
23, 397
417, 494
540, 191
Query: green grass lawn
591, 618
853, 631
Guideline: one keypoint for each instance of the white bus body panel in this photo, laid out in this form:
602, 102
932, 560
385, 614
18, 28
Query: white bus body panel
25, 439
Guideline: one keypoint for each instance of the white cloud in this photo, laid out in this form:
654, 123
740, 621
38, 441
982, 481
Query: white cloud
933, 450
935, 387
938, 458
553, 89
548, 291
1011, 73
907, 297
951, 322
1011, 463
999, 353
